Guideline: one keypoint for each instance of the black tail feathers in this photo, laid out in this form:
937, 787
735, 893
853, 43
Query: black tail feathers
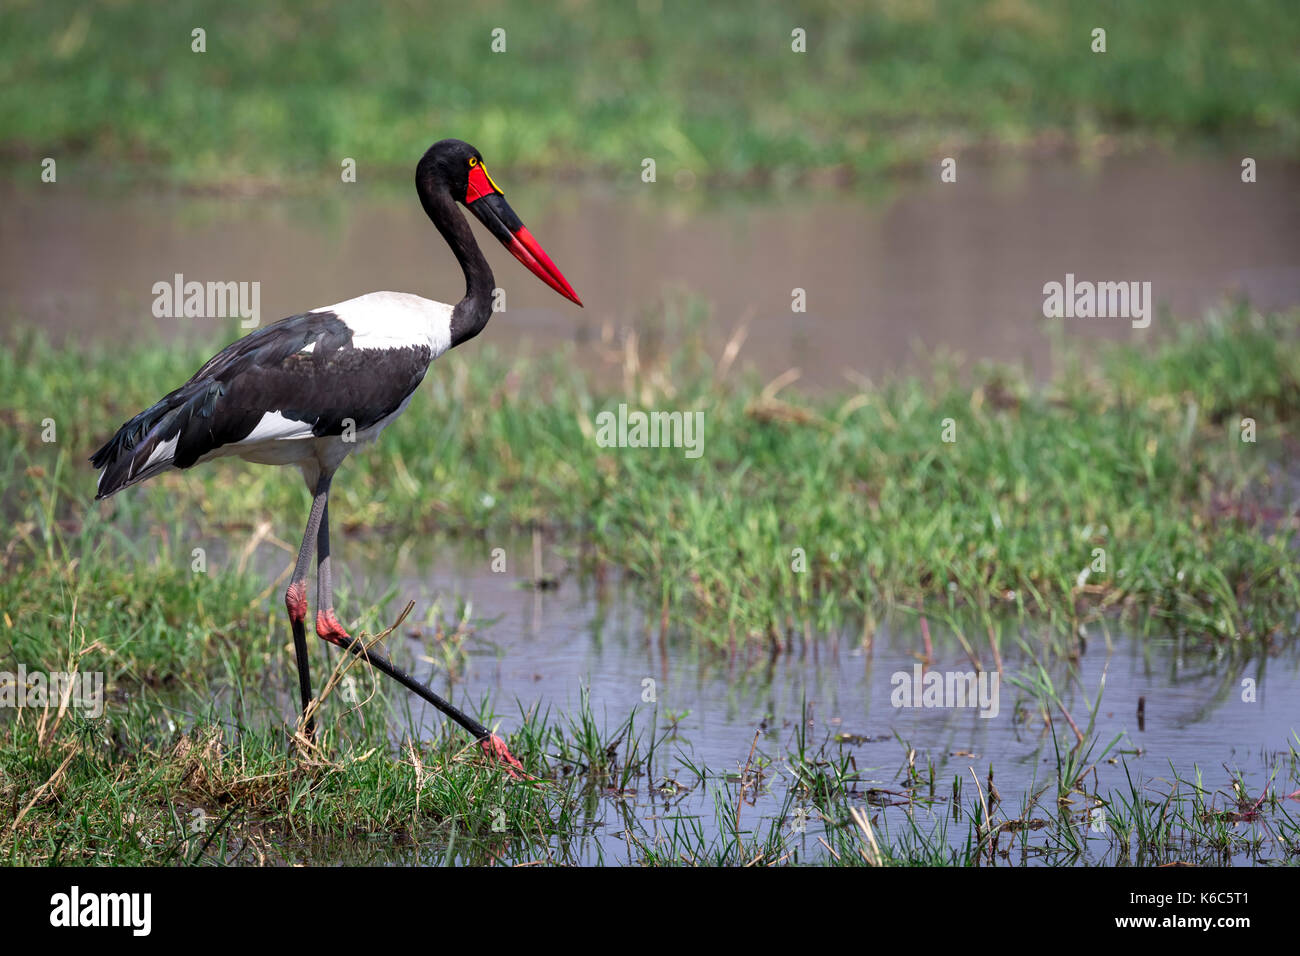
147, 444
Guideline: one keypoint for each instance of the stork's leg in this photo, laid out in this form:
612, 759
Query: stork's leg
329, 629
295, 598
326, 622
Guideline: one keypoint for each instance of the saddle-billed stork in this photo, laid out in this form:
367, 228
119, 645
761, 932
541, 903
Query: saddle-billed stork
309, 389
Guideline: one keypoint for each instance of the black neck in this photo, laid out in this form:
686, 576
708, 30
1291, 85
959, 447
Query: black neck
472, 312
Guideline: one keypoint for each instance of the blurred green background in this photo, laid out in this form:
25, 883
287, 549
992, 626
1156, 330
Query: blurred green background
286, 90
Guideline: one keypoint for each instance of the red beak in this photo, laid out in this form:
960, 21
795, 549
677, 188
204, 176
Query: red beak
527, 250
490, 206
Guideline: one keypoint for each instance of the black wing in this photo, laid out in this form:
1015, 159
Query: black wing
264, 372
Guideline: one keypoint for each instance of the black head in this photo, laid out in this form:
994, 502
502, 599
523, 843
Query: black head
446, 166
453, 169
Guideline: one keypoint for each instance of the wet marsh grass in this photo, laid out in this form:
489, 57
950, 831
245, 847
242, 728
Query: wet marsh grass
1118, 491
987, 537
150, 784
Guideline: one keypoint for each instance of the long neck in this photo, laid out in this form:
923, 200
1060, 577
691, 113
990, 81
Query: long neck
472, 312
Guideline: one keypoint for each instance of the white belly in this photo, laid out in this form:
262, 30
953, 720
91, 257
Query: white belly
325, 452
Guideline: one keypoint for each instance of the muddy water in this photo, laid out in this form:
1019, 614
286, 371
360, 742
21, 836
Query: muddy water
916, 267
541, 650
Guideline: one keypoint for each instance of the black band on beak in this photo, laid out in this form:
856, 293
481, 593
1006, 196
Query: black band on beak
494, 212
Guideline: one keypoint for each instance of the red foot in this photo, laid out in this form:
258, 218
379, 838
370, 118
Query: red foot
295, 599
329, 628
496, 748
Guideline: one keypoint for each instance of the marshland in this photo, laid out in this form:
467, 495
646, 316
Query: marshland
713, 659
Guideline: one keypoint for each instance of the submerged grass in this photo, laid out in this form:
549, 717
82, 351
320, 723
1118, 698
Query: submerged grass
147, 785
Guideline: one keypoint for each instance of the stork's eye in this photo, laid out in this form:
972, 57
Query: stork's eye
478, 182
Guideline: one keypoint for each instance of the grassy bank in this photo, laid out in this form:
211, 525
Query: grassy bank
285, 92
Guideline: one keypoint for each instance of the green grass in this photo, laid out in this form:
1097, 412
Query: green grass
1140, 458
286, 91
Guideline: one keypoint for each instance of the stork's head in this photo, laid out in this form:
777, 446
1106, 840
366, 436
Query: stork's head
457, 167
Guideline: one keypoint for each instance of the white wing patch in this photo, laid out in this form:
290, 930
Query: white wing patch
387, 320
163, 452
275, 427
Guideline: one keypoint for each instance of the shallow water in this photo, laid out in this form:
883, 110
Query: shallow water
913, 267
542, 649
954, 267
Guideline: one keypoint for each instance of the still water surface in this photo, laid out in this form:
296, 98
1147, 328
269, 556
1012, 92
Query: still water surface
543, 649
889, 277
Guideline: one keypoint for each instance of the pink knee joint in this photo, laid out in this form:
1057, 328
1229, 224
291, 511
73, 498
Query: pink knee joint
295, 599
329, 628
